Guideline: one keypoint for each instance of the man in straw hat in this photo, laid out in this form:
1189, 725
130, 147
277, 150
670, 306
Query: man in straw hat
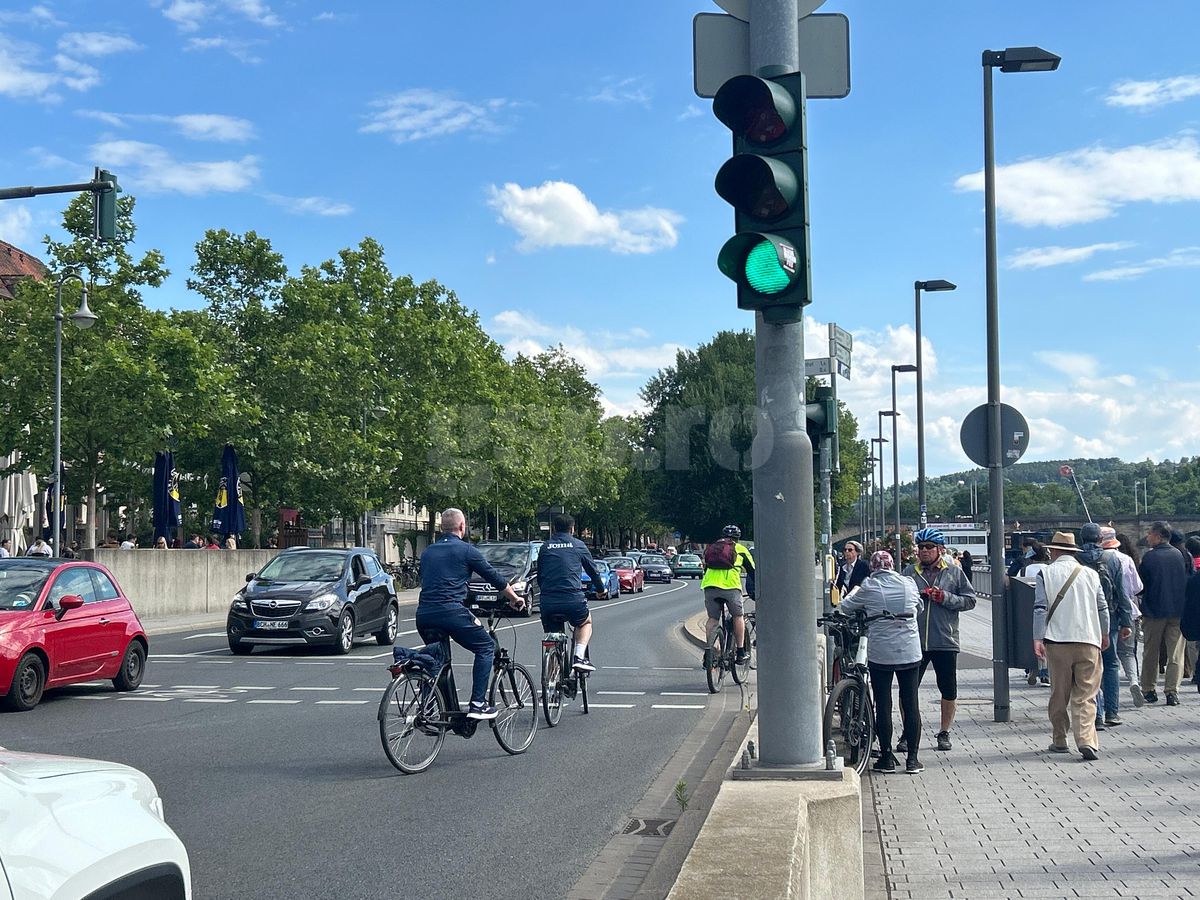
1070, 630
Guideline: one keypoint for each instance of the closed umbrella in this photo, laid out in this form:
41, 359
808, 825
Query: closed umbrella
167, 514
229, 514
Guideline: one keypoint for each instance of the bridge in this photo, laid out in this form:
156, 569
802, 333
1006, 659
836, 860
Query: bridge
1135, 526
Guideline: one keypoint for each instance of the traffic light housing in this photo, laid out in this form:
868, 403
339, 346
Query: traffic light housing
106, 206
766, 182
821, 416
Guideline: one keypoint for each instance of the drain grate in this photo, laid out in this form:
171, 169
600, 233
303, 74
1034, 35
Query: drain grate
649, 827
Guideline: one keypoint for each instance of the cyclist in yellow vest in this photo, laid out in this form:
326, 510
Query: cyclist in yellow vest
724, 561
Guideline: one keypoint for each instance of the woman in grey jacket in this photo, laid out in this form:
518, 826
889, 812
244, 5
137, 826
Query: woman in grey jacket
893, 648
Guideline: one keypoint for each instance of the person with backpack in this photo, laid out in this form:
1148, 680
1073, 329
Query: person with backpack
724, 561
1107, 566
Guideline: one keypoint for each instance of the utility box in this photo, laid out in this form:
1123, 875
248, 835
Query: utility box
1020, 624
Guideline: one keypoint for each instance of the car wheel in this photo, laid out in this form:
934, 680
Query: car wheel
386, 636
29, 681
133, 668
345, 634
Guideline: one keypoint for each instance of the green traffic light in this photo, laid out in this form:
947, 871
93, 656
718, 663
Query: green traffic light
763, 270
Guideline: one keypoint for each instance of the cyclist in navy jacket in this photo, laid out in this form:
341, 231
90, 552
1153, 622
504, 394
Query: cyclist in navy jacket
560, 564
446, 567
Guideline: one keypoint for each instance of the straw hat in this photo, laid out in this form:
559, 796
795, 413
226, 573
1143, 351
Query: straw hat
1063, 540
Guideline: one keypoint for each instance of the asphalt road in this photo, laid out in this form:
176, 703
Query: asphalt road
273, 775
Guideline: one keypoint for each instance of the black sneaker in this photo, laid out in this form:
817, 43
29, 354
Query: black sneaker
1091, 754
887, 762
481, 711
902, 746
1031, 677
913, 766
743, 656
1149, 696
1099, 724
943, 739
1172, 698
1044, 679
1113, 721
583, 665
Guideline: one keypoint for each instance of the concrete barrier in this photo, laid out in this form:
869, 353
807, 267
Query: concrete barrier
180, 582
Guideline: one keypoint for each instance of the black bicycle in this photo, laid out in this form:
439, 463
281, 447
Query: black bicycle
421, 704
723, 658
559, 679
849, 719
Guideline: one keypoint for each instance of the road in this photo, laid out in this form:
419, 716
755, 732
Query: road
272, 772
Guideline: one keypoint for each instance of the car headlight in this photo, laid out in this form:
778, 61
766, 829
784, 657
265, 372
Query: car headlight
317, 604
520, 586
239, 603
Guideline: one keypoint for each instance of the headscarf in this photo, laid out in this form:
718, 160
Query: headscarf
881, 559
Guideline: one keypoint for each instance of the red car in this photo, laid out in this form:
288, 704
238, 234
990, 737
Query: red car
63, 622
628, 573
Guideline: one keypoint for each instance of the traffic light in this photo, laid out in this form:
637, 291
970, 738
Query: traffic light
766, 182
106, 206
821, 416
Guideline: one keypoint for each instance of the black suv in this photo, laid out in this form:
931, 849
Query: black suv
315, 596
655, 568
515, 561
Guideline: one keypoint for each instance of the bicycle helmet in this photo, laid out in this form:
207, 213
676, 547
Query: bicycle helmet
929, 535
731, 531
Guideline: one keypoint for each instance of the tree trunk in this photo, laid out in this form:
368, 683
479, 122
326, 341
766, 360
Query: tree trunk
89, 533
256, 526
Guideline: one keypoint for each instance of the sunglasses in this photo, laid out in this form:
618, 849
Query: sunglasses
927, 546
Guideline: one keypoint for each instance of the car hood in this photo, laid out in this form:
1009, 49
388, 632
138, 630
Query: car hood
32, 766
257, 590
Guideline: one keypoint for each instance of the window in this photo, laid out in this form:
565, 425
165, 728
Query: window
356, 568
73, 581
105, 589
372, 565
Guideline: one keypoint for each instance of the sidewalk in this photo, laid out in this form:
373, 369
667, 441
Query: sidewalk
998, 816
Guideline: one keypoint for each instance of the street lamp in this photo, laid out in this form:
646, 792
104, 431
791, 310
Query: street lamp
877, 500
938, 284
891, 413
871, 460
906, 367
1013, 59
84, 319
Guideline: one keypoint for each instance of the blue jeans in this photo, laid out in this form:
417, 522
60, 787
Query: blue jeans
1109, 696
460, 624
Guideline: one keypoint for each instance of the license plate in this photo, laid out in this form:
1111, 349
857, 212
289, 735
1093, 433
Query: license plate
270, 624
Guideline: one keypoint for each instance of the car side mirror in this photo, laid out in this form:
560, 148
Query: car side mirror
250, 576
67, 603
362, 581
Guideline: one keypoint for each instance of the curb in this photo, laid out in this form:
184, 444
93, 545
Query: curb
693, 629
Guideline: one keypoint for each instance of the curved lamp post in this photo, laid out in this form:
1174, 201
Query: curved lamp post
84, 319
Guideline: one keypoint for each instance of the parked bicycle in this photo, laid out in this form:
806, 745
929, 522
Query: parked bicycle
559, 679
421, 703
849, 719
723, 658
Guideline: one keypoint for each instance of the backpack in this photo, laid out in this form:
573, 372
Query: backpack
1189, 625
720, 554
1106, 583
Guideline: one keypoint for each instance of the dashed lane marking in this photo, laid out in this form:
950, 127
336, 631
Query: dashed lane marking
611, 705
274, 702
342, 702
677, 706
685, 693
621, 693
315, 689
192, 637
209, 700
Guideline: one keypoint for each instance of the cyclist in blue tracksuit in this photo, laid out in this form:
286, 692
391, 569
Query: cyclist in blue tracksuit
560, 564
446, 567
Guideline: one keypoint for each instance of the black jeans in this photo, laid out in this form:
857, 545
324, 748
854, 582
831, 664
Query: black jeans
909, 678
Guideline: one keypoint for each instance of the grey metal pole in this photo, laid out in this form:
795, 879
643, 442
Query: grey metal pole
1000, 698
789, 681
896, 465
882, 481
56, 502
922, 515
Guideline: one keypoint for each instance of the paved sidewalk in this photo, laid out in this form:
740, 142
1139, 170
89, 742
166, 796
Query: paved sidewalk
1000, 817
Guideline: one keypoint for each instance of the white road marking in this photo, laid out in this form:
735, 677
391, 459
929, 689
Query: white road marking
148, 699
610, 706
192, 637
621, 667
208, 700
91, 696
621, 693
193, 687
253, 687
263, 662
275, 702
342, 702
373, 690
306, 662
377, 655
216, 662
676, 706
674, 668
685, 693
315, 689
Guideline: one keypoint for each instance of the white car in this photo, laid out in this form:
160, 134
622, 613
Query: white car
78, 829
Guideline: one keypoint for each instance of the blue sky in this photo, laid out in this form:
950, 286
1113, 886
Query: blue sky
550, 163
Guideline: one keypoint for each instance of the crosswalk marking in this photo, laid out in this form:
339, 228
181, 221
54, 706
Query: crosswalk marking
209, 700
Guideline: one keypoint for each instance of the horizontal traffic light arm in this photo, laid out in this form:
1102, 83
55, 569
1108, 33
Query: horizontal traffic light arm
16, 193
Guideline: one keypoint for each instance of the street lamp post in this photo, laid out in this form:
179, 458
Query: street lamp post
878, 497
937, 284
869, 537
890, 413
84, 319
906, 367
1013, 59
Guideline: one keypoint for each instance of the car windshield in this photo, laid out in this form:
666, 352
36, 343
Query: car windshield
304, 566
20, 586
601, 567
511, 556
621, 562
689, 559
653, 561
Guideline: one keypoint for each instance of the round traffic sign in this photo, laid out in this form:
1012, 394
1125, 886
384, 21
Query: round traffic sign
740, 9
1014, 435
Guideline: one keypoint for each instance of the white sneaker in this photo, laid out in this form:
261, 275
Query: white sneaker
582, 665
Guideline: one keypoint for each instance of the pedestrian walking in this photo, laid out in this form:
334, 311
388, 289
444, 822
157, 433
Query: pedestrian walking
893, 649
1035, 558
946, 592
1070, 630
1128, 555
967, 562
1108, 569
1164, 574
854, 569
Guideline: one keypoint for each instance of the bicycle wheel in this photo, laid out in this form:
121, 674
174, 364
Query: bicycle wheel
412, 714
850, 722
714, 671
741, 670
583, 680
513, 696
551, 686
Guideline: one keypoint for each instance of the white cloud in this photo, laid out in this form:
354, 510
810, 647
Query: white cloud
35, 15
691, 112
1148, 94
19, 75
154, 170
196, 126
557, 214
188, 15
96, 43
16, 224
1043, 257
256, 11
1076, 366
1091, 184
1180, 258
619, 91
310, 206
76, 75
420, 114
238, 49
